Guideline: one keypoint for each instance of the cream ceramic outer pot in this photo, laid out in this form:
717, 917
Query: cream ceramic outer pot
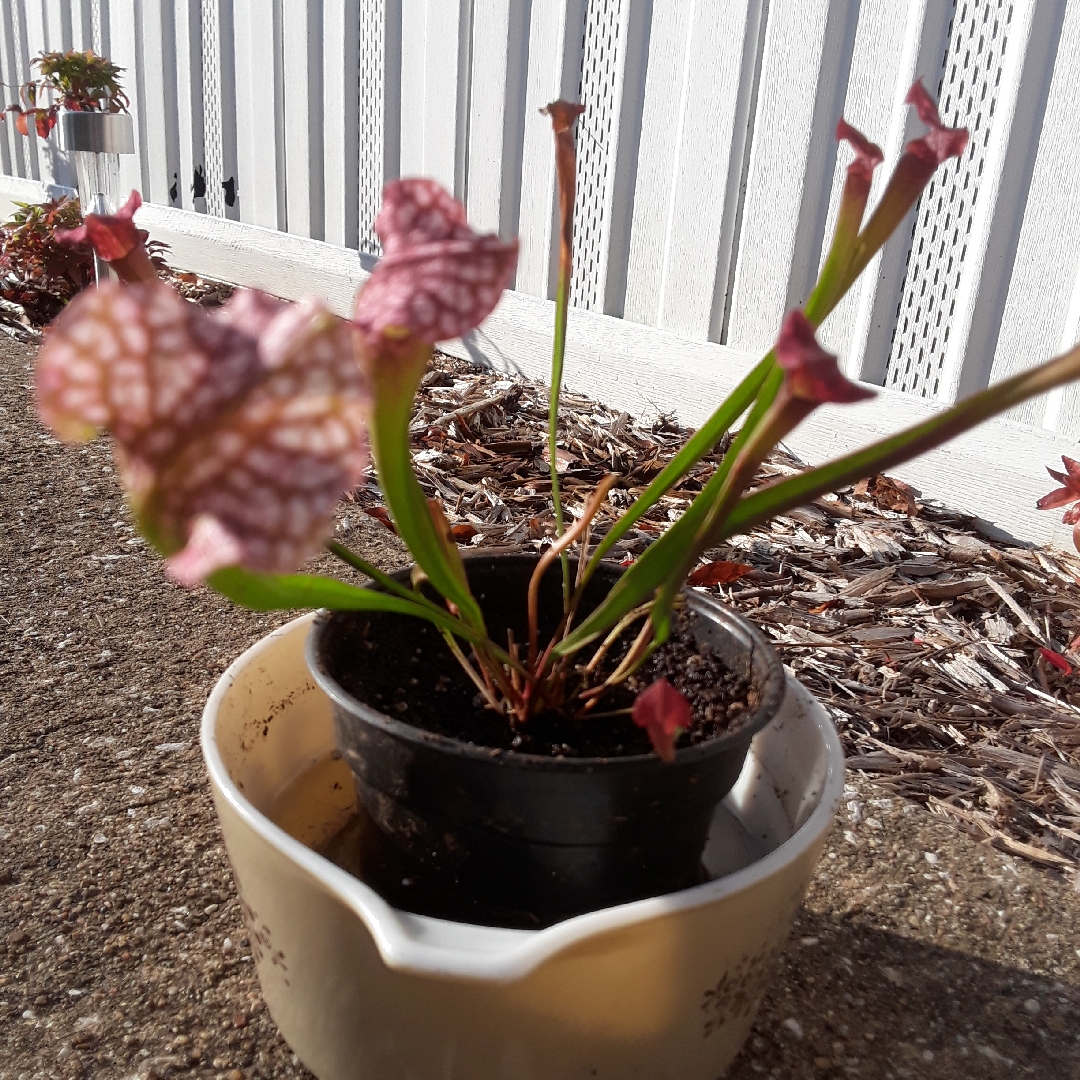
659, 989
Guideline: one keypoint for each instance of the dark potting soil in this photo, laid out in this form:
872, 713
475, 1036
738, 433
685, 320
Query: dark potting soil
438, 696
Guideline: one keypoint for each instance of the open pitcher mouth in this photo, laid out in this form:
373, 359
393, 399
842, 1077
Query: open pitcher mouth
803, 740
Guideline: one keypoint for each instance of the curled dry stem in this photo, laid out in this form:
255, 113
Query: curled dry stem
578, 529
638, 653
627, 620
483, 685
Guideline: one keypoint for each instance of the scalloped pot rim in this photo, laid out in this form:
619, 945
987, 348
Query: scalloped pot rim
424, 945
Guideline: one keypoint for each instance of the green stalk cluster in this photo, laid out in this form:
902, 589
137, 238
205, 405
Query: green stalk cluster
768, 399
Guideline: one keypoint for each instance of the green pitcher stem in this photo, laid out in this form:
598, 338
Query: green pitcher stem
558, 355
797, 490
389, 431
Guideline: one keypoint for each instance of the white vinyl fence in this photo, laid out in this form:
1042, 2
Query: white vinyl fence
708, 180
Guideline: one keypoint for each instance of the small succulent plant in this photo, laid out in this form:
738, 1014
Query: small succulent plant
78, 81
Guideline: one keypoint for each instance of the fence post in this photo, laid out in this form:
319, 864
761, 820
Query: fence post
805, 55
496, 102
1042, 308
555, 40
302, 73
189, 95
124, 36
691, 163
260, 113
434, 90
30, 28
340, 121
57, 24
157, 86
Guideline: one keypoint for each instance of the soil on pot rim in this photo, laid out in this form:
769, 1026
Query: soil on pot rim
430, 690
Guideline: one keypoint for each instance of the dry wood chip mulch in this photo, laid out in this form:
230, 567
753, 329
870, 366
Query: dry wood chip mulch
939, 650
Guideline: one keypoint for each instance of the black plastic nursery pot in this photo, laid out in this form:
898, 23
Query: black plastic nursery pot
483, 834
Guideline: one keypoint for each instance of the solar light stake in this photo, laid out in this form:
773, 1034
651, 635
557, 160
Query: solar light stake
97, 140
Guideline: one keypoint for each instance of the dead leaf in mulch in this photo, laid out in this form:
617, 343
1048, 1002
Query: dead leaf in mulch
718, 572
379, 513
563, 459
889, 494
1056, 659
539, 527
463, 532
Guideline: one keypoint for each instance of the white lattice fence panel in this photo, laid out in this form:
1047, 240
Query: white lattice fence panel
968, 94
599, 90
371, 93
99, 28
212, 109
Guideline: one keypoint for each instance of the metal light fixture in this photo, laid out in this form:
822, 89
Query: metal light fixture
97, 140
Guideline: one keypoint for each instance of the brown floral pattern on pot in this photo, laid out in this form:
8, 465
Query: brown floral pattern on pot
737, 992
260, 939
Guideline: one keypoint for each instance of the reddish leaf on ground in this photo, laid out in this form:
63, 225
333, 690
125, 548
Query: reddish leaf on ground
663, 712
540, 526
463, 532
1056, 659
718, 572
379, 513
